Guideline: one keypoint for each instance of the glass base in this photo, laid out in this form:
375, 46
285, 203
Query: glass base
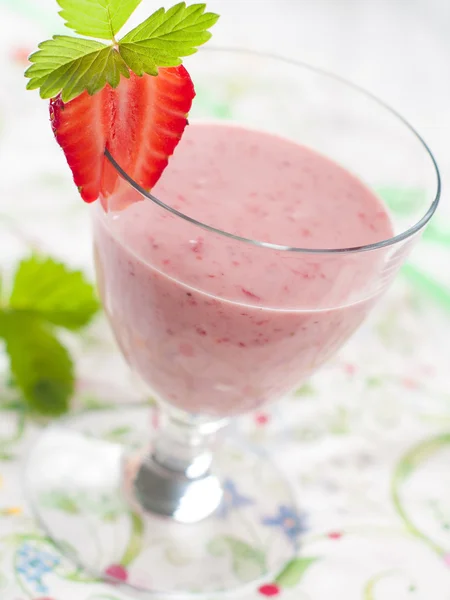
87, 483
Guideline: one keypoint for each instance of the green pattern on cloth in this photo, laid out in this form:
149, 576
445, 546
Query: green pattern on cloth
364, 443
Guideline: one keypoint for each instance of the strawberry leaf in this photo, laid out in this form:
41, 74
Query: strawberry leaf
72, 65
49, 290
41, 366
97, 18
165, 37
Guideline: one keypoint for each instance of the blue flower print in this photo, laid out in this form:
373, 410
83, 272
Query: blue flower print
289, 521
232, 499
33, 563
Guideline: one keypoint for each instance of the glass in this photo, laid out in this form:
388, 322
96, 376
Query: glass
202, 353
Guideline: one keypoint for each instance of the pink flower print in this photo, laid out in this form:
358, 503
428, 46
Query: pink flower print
117, 572
269, 590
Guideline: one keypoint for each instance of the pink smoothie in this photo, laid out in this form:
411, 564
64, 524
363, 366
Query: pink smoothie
218, 326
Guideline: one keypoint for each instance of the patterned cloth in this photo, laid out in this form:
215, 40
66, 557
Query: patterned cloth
366, 443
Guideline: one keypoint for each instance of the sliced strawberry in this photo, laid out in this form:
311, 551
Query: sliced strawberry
140, 123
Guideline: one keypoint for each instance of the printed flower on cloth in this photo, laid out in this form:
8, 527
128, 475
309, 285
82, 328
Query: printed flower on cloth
232, 499
33, 564
289, 520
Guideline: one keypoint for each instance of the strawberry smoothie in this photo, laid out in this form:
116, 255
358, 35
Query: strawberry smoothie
217, 326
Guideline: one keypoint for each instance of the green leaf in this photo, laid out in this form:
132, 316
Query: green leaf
293, 572
369, 592
402, 201
48, 289
248, 563
6, 456
3, 325
428, 285
306, 390
89, 403
374, 382
118, 434
13, 404
41, 366
136, 540
177, 556
72, 65
165, 37
438, 233
59, 501
411, 461
97, 18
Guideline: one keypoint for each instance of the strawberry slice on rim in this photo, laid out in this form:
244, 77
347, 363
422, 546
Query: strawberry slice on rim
140, 122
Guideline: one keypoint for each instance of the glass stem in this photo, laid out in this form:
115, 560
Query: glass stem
175, 479
184, 444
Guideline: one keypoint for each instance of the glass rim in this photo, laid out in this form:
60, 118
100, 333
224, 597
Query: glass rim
404, 235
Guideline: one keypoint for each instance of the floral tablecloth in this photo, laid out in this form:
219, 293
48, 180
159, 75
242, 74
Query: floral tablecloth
365, 444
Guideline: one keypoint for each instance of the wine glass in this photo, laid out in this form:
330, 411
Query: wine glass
187, 507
